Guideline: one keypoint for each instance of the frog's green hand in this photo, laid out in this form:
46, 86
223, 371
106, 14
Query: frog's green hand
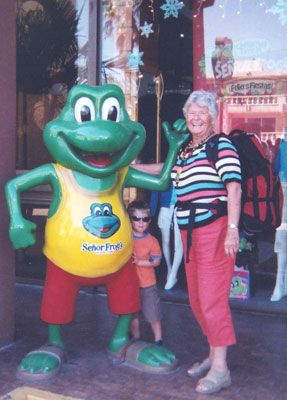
176, 135
21, 233
21, 230
159, 182
180, 126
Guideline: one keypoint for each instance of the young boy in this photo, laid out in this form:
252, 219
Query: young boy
147, 255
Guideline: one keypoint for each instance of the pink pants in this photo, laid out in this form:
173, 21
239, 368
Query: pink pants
209, 275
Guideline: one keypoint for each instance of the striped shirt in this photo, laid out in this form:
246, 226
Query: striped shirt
200, 182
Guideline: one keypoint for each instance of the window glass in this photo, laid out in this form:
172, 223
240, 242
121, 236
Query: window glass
240, 52
46, 61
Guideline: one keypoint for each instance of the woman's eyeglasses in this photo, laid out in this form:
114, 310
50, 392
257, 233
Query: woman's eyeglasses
144, 219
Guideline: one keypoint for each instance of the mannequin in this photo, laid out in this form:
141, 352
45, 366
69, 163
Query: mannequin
166, 220
280, 245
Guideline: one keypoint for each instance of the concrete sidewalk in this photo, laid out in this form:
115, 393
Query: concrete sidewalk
257, 362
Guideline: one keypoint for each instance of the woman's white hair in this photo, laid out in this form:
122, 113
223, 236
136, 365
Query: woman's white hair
202, 98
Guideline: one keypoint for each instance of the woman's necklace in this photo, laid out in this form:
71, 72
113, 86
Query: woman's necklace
187, 152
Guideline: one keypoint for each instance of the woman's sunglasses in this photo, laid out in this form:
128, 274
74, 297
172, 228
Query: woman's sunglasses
144, 219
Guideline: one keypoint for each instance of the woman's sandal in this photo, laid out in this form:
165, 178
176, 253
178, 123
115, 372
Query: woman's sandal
198, 369
220, 380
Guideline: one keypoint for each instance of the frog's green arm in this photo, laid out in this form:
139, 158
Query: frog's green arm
20, 230
159, 182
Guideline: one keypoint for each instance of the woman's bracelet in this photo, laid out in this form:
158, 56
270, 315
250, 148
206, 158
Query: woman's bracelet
233, 226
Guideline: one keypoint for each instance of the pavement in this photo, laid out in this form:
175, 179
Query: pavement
257, 362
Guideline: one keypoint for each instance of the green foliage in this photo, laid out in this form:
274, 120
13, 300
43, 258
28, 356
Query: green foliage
46, 44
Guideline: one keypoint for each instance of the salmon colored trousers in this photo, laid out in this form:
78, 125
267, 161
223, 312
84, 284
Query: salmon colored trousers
209, 274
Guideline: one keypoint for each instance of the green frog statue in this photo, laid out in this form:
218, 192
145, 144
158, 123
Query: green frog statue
88, 236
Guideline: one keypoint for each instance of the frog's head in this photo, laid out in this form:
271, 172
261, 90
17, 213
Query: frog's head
94, 134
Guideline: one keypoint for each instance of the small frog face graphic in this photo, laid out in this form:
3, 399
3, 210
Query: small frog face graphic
102, 222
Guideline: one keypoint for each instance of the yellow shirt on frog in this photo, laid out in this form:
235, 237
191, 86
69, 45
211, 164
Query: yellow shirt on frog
70, 246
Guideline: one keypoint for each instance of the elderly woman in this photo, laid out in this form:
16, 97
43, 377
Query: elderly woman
208, 210
209, 261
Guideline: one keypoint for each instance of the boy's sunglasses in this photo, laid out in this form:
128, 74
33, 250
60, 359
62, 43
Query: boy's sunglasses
144, 219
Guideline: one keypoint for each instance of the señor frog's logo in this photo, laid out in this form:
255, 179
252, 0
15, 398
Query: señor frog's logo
102, 222
106, 248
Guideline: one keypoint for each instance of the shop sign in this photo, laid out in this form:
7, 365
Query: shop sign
222, 59
251, 87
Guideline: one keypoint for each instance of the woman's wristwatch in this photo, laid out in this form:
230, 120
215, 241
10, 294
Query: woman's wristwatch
233, 226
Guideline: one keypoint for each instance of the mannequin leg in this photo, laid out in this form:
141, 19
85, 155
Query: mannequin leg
280, 289
164, 222
177, 258
165, 237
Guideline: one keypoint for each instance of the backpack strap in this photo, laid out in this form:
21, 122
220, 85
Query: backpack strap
211, 148
237, 132
219, 207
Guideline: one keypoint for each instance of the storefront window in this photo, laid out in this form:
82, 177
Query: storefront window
240, 53
147, 50
158, 51
47, 51
235, 48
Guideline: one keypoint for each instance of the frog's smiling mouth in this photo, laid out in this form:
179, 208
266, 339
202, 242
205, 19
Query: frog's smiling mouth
98, 156
98, 159
95, 159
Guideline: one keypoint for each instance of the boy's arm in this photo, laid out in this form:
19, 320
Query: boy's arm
151, 262
155, 256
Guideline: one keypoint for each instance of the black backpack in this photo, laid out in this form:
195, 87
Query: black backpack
262, 196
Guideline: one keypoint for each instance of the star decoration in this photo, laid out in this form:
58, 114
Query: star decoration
171, 8
280, 8
146, 29
134, 59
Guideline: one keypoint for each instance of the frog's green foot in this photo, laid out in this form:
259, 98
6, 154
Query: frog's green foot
146, 357
42, 364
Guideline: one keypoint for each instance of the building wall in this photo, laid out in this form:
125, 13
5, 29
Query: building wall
7, 165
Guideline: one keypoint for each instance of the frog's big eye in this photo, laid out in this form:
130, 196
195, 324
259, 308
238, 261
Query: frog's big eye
111, 109
106, 211
84, 110
97, 211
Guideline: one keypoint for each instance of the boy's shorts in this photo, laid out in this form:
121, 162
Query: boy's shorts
150, 304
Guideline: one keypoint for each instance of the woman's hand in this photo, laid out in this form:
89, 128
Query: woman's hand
231, 243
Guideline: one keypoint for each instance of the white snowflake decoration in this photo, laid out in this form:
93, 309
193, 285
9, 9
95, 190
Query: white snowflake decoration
134, 59
280, 8
171, 8
146, 29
